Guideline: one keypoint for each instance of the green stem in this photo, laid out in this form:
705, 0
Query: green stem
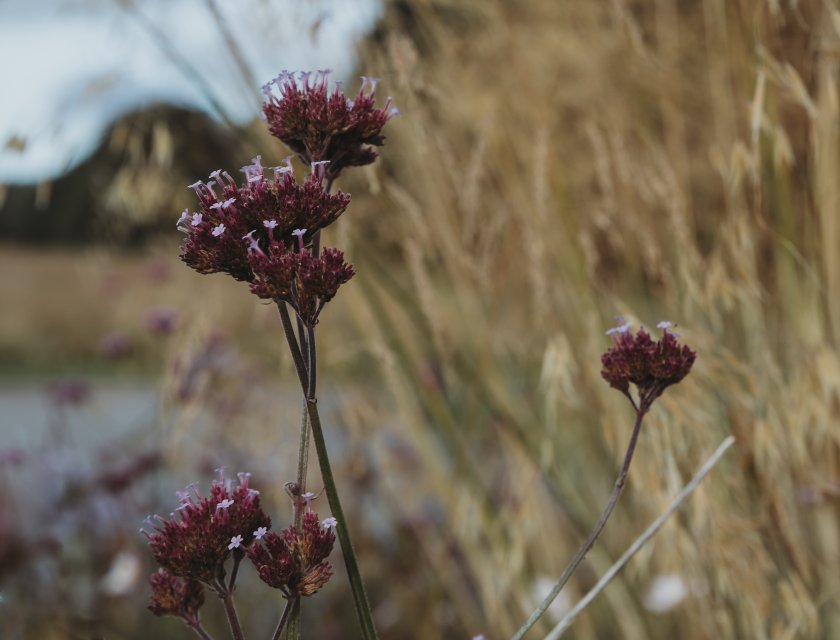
593, 536
294, 348
283, 620
360, 598
303, 463
294, 619
200, 631
237, 558
313, 367
233, 619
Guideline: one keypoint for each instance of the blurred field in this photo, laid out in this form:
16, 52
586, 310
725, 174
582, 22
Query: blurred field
558, 163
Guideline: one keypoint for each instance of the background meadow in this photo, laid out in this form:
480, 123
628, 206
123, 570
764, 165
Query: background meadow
557, 164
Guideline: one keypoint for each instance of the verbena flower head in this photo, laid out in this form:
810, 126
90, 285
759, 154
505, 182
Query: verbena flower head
232, 223
651, 365
257, 233
321, 125
197, 539
296, 561
173, 596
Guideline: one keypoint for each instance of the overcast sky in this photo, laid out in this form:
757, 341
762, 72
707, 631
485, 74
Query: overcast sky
70, 68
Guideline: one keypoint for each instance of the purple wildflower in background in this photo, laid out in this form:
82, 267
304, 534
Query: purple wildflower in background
651, 365
69, 392
116, 345
161, 320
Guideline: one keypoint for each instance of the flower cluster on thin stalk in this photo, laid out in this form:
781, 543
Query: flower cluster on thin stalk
651, 366
265, 230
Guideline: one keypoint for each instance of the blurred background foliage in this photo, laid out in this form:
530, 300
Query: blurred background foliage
557, 164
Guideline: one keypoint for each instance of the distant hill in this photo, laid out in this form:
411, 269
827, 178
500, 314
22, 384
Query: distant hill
132, 187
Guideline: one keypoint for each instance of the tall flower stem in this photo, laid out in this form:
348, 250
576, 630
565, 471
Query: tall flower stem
294, 347
291, 614
303, 463
294, 618
200, 631
360, 598
283, 620
233, 618
640, 542
312, 381
593, 535
303, 377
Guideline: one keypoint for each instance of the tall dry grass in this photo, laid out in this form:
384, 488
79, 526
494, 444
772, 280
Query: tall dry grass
560, 163
564, 162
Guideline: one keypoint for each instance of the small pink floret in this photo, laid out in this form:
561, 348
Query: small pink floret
235, 541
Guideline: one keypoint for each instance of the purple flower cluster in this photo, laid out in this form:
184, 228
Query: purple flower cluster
264, 231
196, 542
193, 545
258, 233
321, 125
651, 365
296, 561
173, 596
